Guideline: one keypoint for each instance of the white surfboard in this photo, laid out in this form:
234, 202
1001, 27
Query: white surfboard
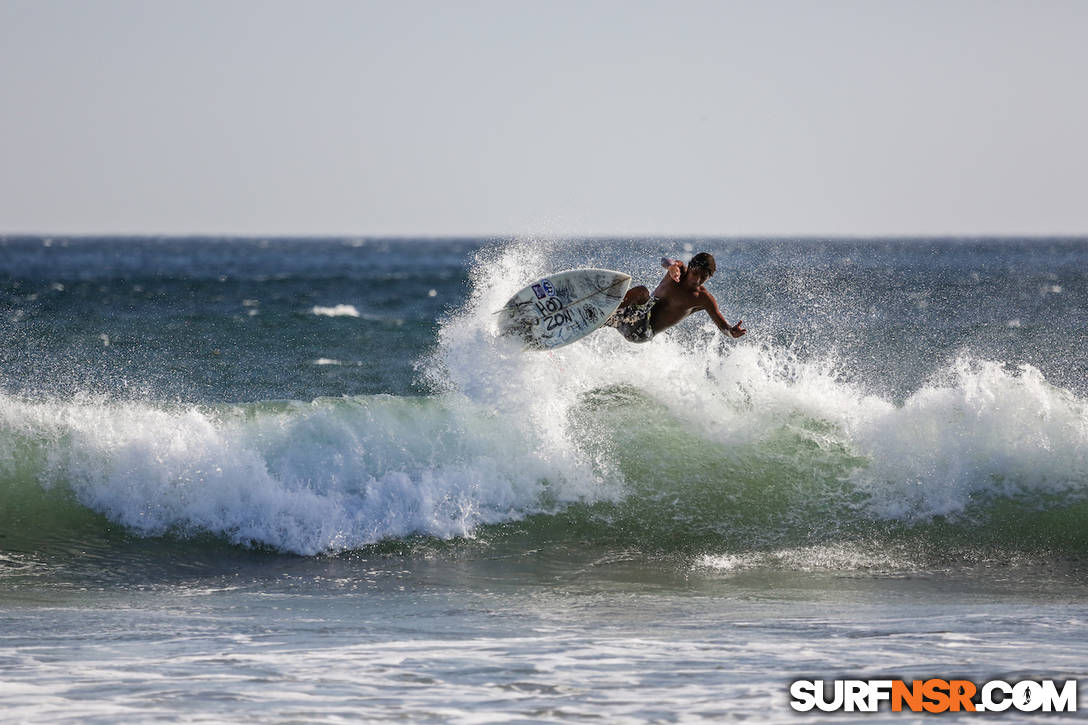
564, 307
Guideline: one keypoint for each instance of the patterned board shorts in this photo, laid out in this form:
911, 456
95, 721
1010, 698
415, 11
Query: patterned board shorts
633, 321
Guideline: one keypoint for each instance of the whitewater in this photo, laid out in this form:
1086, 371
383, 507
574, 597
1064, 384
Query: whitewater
328, 439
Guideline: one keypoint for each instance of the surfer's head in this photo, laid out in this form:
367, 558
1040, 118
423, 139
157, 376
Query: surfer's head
703, 265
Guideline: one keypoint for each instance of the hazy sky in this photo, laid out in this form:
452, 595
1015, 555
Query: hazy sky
464, 118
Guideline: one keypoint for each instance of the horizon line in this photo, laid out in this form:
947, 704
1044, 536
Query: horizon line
807, 236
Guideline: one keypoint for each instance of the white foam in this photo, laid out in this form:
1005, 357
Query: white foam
323, 476
823, 557
337, 311
980, 429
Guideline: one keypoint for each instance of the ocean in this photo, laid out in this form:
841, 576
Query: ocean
304, 481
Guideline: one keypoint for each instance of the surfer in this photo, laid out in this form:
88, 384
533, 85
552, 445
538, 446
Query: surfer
641, 315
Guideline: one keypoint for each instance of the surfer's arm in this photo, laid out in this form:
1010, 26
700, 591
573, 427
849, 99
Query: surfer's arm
675, 268
711, 307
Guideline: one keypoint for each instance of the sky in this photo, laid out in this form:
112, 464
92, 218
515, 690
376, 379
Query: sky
508, 118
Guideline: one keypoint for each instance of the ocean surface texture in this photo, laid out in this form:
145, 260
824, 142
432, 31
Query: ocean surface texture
287, 481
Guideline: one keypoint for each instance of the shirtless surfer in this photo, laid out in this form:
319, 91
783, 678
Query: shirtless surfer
641, 315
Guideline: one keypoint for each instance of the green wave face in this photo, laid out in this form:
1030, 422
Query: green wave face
801, 487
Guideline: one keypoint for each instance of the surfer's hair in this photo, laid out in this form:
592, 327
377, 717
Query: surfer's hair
704, 260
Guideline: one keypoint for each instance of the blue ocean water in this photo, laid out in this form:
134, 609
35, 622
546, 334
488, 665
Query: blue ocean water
303, 480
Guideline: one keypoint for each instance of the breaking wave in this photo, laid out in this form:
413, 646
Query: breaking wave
694, 443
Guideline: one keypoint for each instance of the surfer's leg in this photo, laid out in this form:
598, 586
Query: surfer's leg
636, 296
633, 321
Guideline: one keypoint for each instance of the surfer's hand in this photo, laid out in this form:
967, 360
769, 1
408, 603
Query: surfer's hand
738, 329
674, 270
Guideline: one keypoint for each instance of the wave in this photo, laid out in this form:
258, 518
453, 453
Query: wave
695, 444
330, 475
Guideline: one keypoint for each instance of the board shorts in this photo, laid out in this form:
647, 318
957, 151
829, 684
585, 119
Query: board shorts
633, 321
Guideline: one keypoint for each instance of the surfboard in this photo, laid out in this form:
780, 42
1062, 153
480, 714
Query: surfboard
564, 307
